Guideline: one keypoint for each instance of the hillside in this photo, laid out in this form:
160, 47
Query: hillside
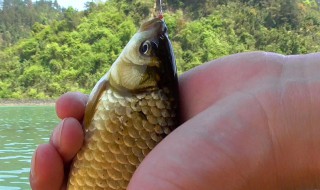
18, 17
71, 53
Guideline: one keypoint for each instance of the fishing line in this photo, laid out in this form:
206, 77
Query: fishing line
160, 4
160, 10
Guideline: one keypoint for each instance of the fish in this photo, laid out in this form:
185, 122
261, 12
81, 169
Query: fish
130, 110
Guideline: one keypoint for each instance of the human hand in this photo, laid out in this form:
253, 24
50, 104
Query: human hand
251, 121
50, 162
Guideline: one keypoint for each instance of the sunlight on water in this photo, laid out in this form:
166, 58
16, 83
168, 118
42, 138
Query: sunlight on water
21, 130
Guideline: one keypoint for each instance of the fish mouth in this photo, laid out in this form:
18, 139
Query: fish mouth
164, 52
157, 29
157, 25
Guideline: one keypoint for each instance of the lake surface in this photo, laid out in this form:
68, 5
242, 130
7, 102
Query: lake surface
21, 130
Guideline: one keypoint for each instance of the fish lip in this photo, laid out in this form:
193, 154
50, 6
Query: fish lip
165, 53
164, 29
162, 35
154, 24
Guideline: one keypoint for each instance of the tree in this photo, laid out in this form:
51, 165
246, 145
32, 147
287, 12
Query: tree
28, 3
56, 5
18, 17
48, 56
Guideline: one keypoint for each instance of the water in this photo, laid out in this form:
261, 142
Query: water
21, 130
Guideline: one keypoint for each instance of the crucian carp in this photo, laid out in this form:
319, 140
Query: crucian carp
129, 111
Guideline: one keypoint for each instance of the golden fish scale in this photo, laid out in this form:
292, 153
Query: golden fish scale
122, 132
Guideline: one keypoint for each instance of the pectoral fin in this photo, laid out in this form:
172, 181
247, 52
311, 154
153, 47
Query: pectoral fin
99, 88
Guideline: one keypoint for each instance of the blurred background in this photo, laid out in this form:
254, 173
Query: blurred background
47, 49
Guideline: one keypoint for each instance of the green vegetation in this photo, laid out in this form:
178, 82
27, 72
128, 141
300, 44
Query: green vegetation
18, 17
61, 50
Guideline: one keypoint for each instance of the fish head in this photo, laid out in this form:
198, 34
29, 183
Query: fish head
147, 62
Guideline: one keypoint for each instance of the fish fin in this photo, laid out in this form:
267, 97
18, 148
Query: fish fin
94, 97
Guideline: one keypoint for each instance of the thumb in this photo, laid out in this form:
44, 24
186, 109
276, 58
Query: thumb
165, 166
213, 150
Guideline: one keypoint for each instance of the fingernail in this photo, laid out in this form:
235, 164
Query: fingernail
57, 134
33, 165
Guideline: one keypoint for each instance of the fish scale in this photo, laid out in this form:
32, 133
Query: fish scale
129, 111
119, 136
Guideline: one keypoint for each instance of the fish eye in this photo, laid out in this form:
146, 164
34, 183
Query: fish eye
145, 48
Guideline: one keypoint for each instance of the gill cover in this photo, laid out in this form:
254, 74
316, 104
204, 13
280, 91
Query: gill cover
146, 63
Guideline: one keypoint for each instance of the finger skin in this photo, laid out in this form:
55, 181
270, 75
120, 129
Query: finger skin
208, 83
67, 138
212, 148
251, 122
50, 160
46, 169
208, 156
71, 104
190, 158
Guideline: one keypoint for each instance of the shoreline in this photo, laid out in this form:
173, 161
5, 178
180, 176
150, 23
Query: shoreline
12, 102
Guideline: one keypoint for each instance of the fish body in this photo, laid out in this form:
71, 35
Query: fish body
131, 109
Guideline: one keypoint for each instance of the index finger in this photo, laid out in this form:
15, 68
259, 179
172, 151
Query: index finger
71, 104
